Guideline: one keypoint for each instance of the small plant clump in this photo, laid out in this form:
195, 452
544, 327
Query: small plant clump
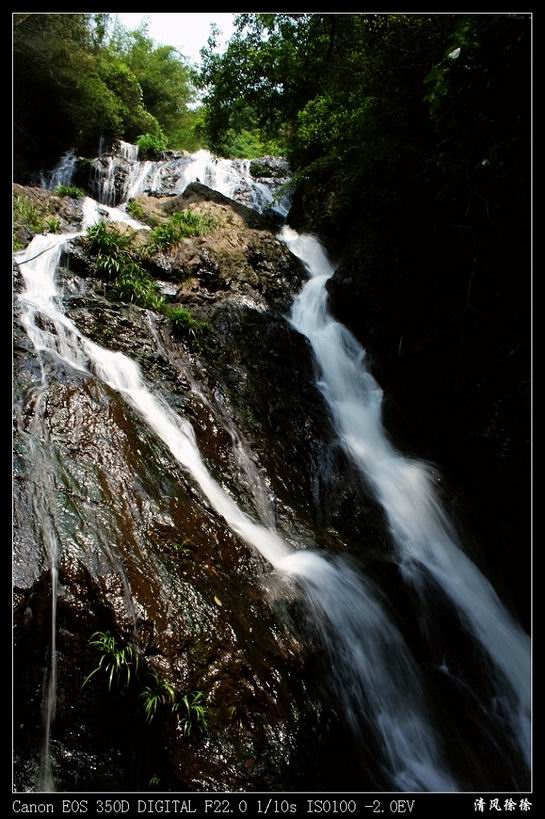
135, 209
69, 190
117, 663
195, 712
53, 224
184, 322
180, 226
31, 216
114, 259
157, 693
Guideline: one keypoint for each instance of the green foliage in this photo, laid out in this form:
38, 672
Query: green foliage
166, 80
184, 323
117, 663
151, 143
52, 224
179, 226
86, 81
30, 216
157, 693
195, 712
104, 239
69, 190
249, 144
135, 210
115, 259
134, 285
27, 214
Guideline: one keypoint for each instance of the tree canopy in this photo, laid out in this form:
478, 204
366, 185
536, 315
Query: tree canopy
76, 79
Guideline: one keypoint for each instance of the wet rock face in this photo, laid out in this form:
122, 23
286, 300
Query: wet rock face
142, 557
109, 179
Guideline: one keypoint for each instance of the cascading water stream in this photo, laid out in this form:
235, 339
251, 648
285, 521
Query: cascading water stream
231, 177
374, 674
62, 173
422, 533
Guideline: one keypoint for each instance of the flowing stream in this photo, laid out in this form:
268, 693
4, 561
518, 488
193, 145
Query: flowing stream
372, 671
423, 535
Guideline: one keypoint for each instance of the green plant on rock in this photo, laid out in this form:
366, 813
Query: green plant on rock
195, 712
106, 239
193, 223
136, 210
118, 663
184, 322
157, 693
134, 285
69, 190
53, 224
179, 226
115, 258
26, 216
152, 143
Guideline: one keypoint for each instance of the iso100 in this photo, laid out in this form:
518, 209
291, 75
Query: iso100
331, 806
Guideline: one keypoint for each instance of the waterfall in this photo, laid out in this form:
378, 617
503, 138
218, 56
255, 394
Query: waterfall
423, 535
128, 151
120, 176
62, 173
374, 675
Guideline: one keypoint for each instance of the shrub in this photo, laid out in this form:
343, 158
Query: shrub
152, 143
27, 216
69, 190
136, 210
106, 239
115, 260
133, 284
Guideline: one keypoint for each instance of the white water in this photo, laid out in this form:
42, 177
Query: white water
228, 176
422, 533
62, 173
374, 674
